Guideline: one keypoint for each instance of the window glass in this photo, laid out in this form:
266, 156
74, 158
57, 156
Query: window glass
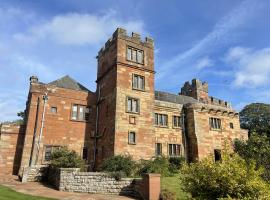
54, 109
129, 53
215, 123
74, 112
132, 105
174, 149
131, 138
81, 113
158, 149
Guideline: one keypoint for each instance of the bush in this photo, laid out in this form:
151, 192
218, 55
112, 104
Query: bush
167, 195
232, 178
256, 148
64, 158
175, 164
159, 165
119, 163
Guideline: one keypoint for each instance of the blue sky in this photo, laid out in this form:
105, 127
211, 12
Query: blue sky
225, 43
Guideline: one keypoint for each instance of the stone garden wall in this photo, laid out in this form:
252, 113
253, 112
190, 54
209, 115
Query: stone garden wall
103, 183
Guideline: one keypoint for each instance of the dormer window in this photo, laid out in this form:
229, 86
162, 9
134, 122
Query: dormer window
135, 55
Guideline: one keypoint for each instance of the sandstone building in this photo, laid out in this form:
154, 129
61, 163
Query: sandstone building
125, 115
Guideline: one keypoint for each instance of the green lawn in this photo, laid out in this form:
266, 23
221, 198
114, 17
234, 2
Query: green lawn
173, 184
9, 194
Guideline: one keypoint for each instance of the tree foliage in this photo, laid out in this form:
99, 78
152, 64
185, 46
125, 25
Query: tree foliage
257, 148
232, 178
256, 118
65, 158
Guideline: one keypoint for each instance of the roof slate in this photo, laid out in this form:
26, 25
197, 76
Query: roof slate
173, 98
69, 83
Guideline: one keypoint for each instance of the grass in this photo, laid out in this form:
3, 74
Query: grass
173, 184
9, 194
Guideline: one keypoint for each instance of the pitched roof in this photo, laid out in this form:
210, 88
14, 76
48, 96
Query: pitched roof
69, 83
173, 98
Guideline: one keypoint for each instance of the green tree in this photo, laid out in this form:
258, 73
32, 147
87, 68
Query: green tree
257, 148
256, 117
232, 178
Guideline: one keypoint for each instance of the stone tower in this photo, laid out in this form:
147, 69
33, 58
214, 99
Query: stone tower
197, 89
125, 93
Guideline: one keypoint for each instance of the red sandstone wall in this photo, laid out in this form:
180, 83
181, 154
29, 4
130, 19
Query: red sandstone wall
11, 144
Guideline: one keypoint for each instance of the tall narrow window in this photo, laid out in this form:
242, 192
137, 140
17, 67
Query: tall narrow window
176, 121
217, 154
231, 125
85, 153
215, 123
132, 105
158, 149
132, 137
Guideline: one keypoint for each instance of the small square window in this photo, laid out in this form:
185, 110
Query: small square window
54, 109
132, 120
215, 123
132, 137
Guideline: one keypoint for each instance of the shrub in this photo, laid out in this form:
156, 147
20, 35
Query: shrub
119, 163
167, 195
232, 178
159, 165
175, 164
256, 148
64, 158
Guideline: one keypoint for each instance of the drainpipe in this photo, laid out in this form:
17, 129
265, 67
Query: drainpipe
35, 134
45, 98
96, 130
184, 133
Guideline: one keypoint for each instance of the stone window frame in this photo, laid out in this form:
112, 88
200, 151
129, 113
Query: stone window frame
134, 49
231, 125
158, 124
86, 115
158, 153
136, 88
54, 109
180, 121
176, 147
135, 137
215, 124
132, 98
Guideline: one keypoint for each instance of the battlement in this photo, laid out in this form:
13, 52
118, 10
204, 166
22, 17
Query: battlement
219, 102
122, 34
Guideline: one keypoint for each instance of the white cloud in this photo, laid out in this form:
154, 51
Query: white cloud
79, 29
204, 62
222, 32
252, 67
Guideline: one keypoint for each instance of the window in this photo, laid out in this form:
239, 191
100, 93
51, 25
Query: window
80, 113
138, 82
215, 123
231, 125
176, 121
132, 137
48, 152
217, 154
54, 109
174, 149
158, 149
161, 119
135, 55
132, 105
85, 153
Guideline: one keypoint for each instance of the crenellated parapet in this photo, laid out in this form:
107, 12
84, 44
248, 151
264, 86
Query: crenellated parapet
121, 33
213, 109
219, 102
